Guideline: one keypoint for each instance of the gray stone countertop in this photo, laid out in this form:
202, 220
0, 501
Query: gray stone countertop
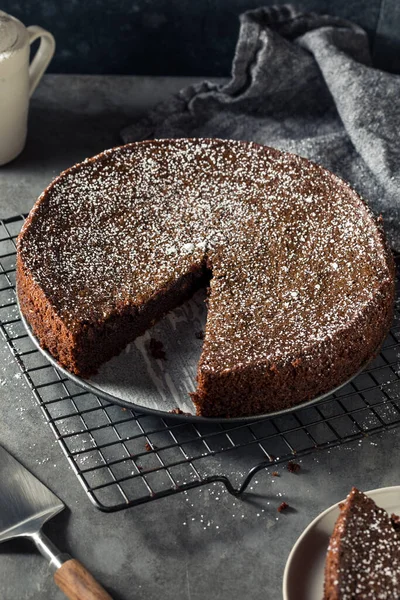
202, 544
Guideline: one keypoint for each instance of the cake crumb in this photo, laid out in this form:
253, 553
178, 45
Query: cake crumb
293, 467
157, 349
275, 473
395, 521
283, 506
178, 411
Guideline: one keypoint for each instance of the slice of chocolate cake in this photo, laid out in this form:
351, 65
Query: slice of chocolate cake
363, 560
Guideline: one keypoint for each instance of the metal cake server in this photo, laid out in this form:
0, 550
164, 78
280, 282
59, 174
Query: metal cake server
25, 505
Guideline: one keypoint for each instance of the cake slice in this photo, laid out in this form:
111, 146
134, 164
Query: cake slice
363, 559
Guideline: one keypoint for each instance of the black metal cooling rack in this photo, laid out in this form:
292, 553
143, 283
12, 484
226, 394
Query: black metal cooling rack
123, 458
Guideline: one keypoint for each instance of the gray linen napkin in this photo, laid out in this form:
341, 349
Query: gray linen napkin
303, 83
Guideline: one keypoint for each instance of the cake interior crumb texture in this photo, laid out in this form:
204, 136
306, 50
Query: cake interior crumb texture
363, 559
301, 283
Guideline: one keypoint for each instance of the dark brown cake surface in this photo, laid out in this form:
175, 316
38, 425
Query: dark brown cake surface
302, 283
363, 559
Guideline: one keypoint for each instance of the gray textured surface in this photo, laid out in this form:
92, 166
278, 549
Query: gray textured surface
194, 546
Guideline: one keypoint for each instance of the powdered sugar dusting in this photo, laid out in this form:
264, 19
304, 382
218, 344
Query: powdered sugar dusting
284, 239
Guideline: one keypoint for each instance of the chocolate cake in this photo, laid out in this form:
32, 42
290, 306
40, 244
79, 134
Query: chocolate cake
301, 283
363, 560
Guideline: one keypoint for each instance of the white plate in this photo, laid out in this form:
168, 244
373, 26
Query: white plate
303, 578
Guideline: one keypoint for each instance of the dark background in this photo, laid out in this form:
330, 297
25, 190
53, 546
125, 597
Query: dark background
179, 37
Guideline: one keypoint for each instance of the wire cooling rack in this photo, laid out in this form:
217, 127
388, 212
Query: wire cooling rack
123, 458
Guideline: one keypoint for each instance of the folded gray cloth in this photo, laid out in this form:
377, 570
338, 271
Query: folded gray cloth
303, 83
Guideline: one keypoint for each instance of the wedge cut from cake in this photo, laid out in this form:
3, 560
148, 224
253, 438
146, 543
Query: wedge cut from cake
363, 559
301, 281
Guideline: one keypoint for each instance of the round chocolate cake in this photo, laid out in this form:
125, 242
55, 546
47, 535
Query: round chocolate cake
301, 283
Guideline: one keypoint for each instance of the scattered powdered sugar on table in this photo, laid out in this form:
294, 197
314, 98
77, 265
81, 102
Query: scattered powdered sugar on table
201, 510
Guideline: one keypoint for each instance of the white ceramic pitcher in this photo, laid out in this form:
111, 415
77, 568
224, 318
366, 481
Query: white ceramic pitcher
18, 79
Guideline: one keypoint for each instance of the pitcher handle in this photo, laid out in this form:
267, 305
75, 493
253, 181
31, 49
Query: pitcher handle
42, 57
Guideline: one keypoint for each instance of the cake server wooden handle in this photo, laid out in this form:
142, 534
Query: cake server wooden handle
77, 583
71, 577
